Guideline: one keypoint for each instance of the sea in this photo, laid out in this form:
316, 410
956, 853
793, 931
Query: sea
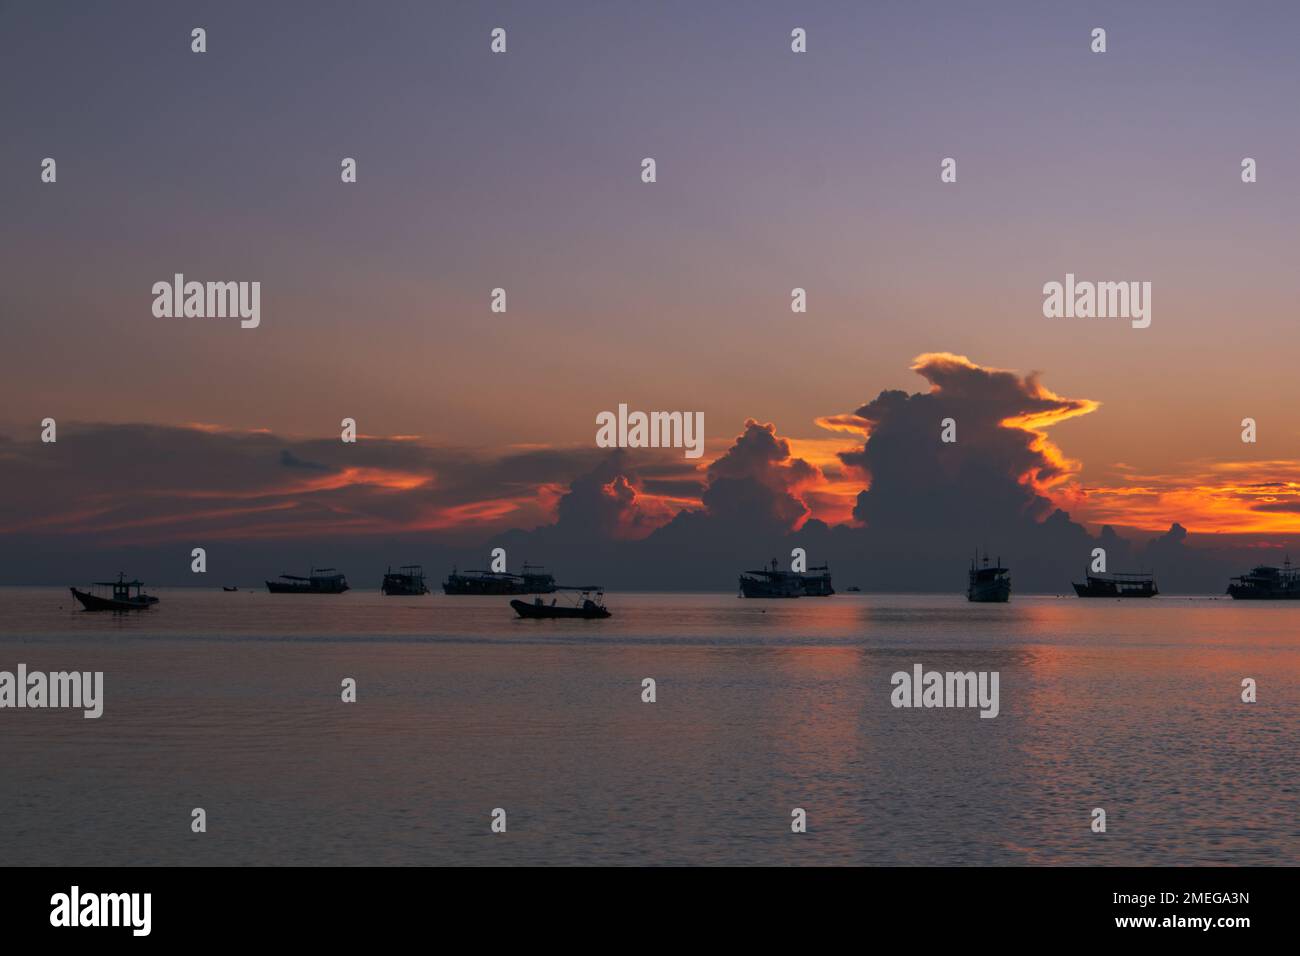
232, 703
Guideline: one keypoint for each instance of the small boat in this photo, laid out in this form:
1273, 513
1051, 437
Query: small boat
1118, 584
988, 584
224, 588
587, 607
318, 582
406, 581
853, 589
122, 599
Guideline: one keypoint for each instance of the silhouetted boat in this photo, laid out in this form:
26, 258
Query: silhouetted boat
853, 588
988, 584
318, 582
224, 588
122, 599
1119, 584
407, 581
586, 608
772, 582
533, 580
1266, 583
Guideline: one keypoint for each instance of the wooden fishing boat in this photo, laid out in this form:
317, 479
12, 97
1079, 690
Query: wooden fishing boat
988, 584
121, 598
406, 581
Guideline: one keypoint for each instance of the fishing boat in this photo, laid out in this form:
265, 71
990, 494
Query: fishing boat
532, 580
587, 606
406, 581
319, 581
772, 582
1118, 584
988, 584
853, 589
1266, 583
224, 588
121, 597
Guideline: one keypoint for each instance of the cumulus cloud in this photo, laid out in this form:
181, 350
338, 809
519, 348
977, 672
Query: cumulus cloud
759, 478
139, 496
995, 475
610, 501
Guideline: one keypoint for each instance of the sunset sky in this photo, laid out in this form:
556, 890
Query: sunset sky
775, 170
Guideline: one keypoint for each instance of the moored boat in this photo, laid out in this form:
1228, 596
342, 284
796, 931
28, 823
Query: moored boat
772, 582
532, 580
120, 598
1265, 583
988, 584
406, 581
1118, 584
318, 582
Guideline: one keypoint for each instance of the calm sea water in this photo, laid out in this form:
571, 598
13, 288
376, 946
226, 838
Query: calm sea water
230, 702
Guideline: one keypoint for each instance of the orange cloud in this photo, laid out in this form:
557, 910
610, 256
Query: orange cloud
1230, 497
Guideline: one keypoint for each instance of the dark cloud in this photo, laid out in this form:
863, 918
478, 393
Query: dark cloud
140, 496
290, 460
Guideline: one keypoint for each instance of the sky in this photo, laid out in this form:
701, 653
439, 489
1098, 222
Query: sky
522, 171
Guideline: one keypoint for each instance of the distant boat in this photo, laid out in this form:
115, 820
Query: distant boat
122, 599
407, 581
533, 580
1119, 584
853, 589
318, 582
988, 584
586, 608
1266, 583
772, 582
224, 588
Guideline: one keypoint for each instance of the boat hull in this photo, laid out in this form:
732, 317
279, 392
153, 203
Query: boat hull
404, 588
759, 588
532, 610
458, 585
989, 592
818, 586
93, 602
1239, 593
280, 587
1101, 591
